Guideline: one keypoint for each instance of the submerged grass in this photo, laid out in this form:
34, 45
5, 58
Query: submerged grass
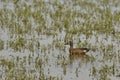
26, 22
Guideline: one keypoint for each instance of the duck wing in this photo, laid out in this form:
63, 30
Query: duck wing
84, 49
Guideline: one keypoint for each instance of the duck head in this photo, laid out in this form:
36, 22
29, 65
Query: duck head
69, 43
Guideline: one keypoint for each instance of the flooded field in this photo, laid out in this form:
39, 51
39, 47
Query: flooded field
33, 34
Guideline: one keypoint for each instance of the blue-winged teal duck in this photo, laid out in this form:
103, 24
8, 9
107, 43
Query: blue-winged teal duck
76, 51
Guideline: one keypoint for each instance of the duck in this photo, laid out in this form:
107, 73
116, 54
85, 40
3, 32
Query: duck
76, 51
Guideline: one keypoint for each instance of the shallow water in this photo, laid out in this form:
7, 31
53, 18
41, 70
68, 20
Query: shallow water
34, 34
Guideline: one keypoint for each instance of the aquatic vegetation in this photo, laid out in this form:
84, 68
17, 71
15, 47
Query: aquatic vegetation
1, 44
18, 45
35, 32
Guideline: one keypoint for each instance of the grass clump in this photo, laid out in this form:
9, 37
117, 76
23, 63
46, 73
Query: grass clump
18, 45
1, 44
